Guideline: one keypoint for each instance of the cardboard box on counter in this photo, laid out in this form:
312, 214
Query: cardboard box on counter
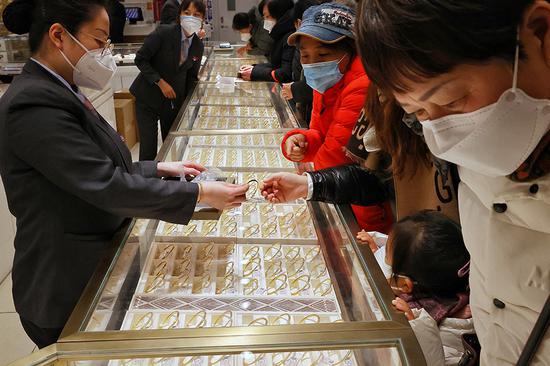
126, 120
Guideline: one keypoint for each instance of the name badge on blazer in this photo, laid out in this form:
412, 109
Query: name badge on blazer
195, 58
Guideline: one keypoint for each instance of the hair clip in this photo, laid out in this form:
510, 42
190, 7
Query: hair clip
298, 265
144, 322
310, 319
224, 320
251, 286
170, 321
273, 288
274, 251
200, 317
464, 271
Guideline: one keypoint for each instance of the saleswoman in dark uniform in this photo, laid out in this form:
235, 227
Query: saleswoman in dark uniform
68, 176
169, 61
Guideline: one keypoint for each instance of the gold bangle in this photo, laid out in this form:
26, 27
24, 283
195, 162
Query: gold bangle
229, 268
287, 218
274, 268
230, 229
189, 229
209, 227
169, 228
184, 251
144, 322
250, 207
159, 268
251, 231
310, 319
227, 316
267, 208
254, 185
228, 281
156, 361
251, 286
272, 284
284, 317
298, 268
170, 321
269, 230
321, 272
157, 282
208, 250
179, 282
252, 252
344, 359
248, 269
271, 221
277, 254
199, 193
319, 291
200, 316
167, 251
312, 362
216, 359
256, 359
187, 360
307, 284
288, 230
262, 322
206, 281
284, 358
313, 253
293, 253
229, 250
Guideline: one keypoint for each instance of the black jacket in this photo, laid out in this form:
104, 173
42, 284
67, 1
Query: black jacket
159, 58
117, 19
71, 184
279, 68
170, 13
302, 93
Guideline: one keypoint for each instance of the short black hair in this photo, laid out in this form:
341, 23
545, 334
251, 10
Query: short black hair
278, 8
199, 5
301, 6
37, 16
261, 7
403, 40
428, 247
241, 21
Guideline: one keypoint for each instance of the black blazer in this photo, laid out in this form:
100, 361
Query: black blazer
281, 55
170, 12
159, 58
71, 184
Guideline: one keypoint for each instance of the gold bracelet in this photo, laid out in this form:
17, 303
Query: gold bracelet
310, 319
189, 229
320, 291
157, 282
262, 322
144, 322
251, 266
199, 194
251, 231
200, 316
313, 253
252, 252
167, 251
274, 251
184, 251
171, 321
224, 320
298, 264
274, 268
251, 286
283, 360
293, 253
159, 268
306, 279
285, 318
272, 284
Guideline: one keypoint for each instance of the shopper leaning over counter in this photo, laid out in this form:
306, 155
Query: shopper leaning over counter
169, 62
278, 22
252, 32
69, 178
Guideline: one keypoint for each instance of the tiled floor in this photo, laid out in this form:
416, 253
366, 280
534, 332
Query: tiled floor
12, 335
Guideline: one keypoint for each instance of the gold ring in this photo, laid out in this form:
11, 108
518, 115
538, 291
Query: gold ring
169, 228
257, 358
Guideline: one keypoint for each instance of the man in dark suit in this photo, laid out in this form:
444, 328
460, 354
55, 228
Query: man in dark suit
170, 13
117, 17
169, 62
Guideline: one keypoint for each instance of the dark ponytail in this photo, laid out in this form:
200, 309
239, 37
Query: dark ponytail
37, 16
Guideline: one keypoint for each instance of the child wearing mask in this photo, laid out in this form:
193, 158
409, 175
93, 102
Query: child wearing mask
169, 61
252, 32
427, 266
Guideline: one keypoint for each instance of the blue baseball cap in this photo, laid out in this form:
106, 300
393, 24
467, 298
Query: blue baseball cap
327, 23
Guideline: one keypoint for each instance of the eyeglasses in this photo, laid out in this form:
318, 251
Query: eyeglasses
108, 46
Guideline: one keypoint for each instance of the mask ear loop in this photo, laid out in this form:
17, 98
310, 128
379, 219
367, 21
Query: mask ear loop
516, 64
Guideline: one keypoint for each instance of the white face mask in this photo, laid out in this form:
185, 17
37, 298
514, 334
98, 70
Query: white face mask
245, 37
380, 256
94, 70
191, 24
494, 140
268, 25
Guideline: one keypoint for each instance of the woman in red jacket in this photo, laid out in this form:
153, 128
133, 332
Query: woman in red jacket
333, 69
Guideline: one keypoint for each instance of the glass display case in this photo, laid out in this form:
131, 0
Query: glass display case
263, 285
125, 53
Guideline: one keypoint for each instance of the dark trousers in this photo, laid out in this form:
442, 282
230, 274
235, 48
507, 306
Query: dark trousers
42, 337
147, 119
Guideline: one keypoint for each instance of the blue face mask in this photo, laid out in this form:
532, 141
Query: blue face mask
322, 76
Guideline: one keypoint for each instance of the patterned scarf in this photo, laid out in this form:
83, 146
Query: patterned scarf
537, 164
438, 308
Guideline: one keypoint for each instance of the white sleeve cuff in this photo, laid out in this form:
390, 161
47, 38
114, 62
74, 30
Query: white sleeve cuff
309, 186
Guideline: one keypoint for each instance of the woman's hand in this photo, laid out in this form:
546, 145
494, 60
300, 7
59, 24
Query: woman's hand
246, 72
402, 306
201, 34
222, 195
284, 187
166, 89
244, 49
286, 91
365, 238
296, 147
179, 169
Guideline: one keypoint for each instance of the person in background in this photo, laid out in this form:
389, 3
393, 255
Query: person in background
251, 28
299, 93
427, 266
169, 61
117, 19
170, 13
68, 176
278, 22
333, 69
